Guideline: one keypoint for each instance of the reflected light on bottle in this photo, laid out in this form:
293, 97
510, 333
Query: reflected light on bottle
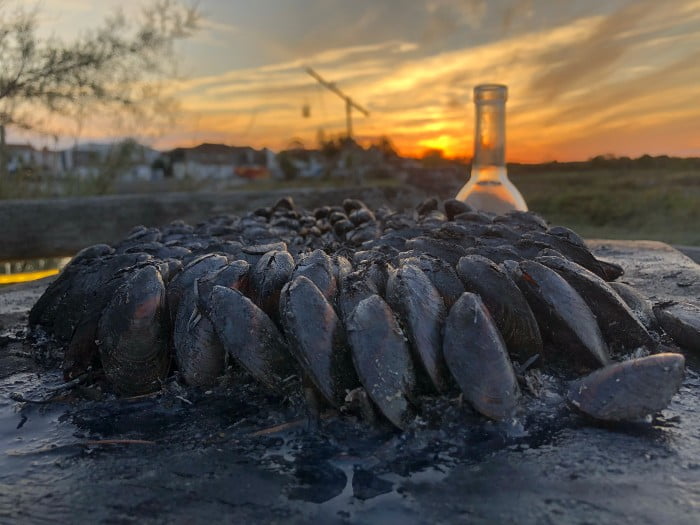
491, 190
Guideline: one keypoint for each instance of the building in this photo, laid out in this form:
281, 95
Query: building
131, 160
24, 157
19, 156
221, 162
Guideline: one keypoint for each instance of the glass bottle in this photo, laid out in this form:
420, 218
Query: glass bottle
488, 188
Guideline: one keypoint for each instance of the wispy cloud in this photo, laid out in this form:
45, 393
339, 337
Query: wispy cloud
519, 10
590, 60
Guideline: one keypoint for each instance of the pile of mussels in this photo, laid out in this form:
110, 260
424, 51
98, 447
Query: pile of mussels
346, 303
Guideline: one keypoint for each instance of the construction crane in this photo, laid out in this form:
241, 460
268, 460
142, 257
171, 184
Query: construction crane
349, 103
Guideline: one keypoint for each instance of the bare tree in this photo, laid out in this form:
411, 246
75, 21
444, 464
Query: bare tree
120, 66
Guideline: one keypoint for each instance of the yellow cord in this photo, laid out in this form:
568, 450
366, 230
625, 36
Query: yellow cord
26, 276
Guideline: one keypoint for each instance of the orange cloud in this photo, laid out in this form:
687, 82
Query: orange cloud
618, 82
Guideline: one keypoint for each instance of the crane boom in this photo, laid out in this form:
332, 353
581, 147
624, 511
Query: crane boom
349, 102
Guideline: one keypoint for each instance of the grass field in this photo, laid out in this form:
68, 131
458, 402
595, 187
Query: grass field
618, 204
648, 204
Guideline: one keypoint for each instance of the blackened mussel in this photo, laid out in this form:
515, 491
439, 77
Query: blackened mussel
629, 390
133, 334
477, 357
562, 314
506, 305
383, 360
621, 328
250, 337
317, 340
422, 312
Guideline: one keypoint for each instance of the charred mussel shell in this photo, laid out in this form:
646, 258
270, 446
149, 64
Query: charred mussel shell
477, 357
133, 336
250, 337
422, 311
629, 390
317, 339
382, 360
562, 314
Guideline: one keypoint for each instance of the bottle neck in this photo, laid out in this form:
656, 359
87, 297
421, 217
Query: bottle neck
490, 135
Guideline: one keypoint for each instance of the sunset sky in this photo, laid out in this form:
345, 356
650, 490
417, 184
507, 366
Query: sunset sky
585, 78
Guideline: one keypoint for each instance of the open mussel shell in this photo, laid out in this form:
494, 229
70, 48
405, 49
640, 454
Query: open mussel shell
250, 337
316, 339
383, 360
629, 390
133, 334
478, 360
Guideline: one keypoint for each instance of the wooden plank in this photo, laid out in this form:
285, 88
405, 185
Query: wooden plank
61, 227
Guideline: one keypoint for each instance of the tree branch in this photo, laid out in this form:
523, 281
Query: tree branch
99, 68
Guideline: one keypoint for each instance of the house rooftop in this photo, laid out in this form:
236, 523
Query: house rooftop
210, 148
19, 147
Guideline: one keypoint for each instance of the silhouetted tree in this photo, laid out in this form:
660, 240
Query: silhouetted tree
289, 169
120, 158
385, 145
120, 65
433, 158
331, 149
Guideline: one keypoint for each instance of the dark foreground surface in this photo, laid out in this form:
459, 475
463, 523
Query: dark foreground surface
233, 455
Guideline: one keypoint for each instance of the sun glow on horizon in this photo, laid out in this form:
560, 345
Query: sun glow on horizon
614, 77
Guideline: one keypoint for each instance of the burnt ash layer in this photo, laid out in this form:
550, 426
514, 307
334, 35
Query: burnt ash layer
371, 313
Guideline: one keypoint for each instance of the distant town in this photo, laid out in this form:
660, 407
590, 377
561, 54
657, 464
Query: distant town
132, 161
128, 166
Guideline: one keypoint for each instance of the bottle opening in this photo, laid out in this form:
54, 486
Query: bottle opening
490, 93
